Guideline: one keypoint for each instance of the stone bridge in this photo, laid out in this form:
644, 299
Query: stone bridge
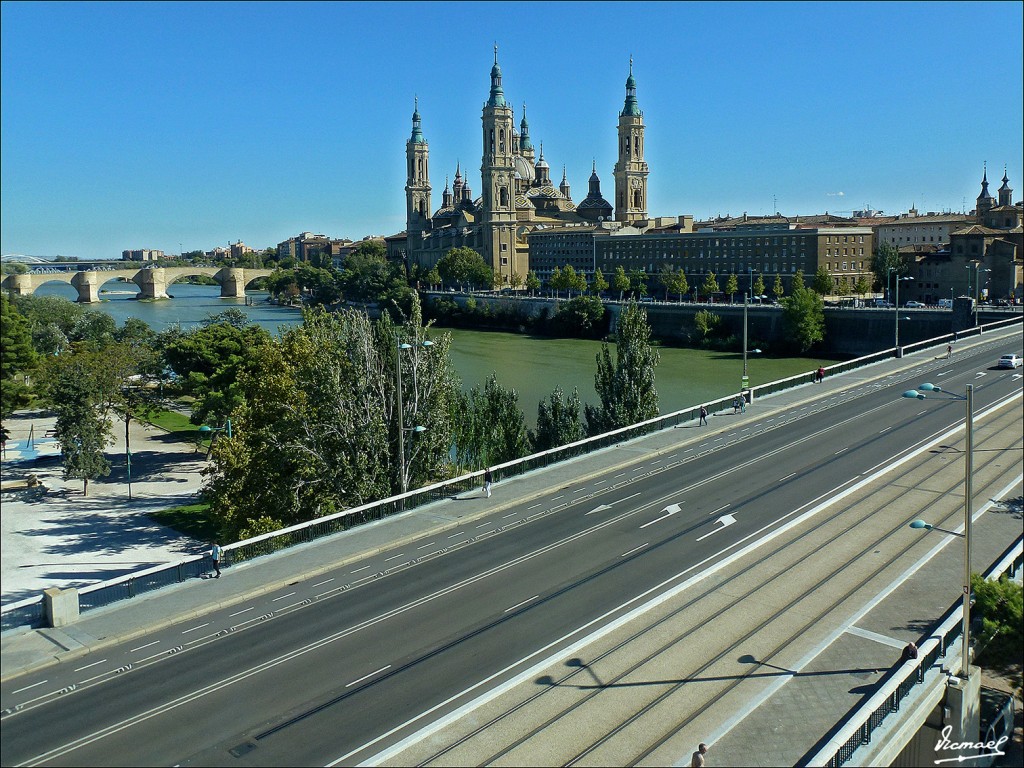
152, 283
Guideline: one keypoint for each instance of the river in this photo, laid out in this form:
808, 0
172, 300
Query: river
530, 365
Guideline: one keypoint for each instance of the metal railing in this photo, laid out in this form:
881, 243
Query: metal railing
857, 728
30, 612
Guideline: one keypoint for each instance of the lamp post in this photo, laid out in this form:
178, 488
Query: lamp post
965, 640
898, 280
745, 382
976, 266
402, 480
226, 429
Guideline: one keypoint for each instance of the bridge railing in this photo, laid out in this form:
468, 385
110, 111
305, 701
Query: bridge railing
30, 612
857, 728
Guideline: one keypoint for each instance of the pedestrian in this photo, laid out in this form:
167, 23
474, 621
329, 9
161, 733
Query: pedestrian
703, 416
697, 761
820, 374
949, 351
215, 556
487, 482
909, 653
736, 405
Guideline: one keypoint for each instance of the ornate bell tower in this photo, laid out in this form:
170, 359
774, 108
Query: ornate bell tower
631, 170
497, 172
417, 185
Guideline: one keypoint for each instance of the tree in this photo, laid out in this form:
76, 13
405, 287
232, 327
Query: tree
798, 281
515, 281
556, 281
732, 286
626, 388
558, 421
464, 266
209, 361
620, 281
433, 277
638, 282
1000, 605
803, 316
17, 358
862, 286
667, 278
582, 317
887, 258
778, 289
710, 287
598, 285
823, 283
80, 385
532, 282
706, 323
759, 285
682, 285
491, 428
570, 280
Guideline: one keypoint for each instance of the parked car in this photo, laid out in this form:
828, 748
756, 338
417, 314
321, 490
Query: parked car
914, 305
1009, 361
884, 304
945, 303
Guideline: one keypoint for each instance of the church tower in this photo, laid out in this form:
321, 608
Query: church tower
497, 171
417, 186
1005, 193
631, 170
985, 201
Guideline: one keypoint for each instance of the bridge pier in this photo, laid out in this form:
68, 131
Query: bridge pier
19, 284
88, 285
152, 283
232, 282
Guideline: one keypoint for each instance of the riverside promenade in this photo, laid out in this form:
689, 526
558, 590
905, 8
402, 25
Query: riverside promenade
774, 711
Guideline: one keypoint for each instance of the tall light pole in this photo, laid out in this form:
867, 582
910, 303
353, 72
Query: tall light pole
403, 481
897, 307
965, 639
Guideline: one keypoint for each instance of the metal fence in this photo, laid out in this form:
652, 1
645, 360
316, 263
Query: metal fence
860, 723
31, 612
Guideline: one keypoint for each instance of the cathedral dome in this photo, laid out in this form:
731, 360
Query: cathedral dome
524, 167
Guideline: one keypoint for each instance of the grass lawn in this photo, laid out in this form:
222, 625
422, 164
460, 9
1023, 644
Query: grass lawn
192, 520
178, 425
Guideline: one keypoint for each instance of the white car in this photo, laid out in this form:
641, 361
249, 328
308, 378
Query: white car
914, 305
1009, 361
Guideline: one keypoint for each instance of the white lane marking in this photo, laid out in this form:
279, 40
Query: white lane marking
426, 545
600, 508
367, 677
388, 559
839, 451
618, 475
791, 474
484, 525
90, 665
185, 632
921, 413
725, 520
513, 514
655, 461
556, 498
133, 650
884, 430
357, 570
282, 597
457, 533
670, 510
517, 605
726, 506
318, 584
530, 507
802, 514
27, 687
869, 635
600, 482
580, 490
635, 549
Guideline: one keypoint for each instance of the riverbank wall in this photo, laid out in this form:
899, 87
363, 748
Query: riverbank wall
848, 332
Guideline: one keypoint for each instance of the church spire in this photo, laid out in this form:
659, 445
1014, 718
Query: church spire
524, 133
631, 107
417, 131
497, 97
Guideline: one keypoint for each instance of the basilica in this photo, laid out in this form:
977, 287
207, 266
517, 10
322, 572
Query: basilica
517, 195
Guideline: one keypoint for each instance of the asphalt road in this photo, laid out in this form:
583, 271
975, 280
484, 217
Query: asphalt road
381, 646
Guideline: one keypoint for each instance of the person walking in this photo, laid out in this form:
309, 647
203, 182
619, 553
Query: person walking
736, 404
215, 556
697, 761
487, 482
949, 351
820, 375
703, 416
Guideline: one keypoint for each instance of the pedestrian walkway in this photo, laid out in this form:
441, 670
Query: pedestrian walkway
813, 690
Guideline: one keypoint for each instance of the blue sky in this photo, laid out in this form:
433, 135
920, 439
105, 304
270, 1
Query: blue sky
146, 125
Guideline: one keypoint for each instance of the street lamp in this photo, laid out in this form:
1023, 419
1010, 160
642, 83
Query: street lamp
965, 640
403, 481
745, 382
976, 266
226, 429
899, 352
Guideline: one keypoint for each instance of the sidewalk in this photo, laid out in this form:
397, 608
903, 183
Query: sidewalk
27, 650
